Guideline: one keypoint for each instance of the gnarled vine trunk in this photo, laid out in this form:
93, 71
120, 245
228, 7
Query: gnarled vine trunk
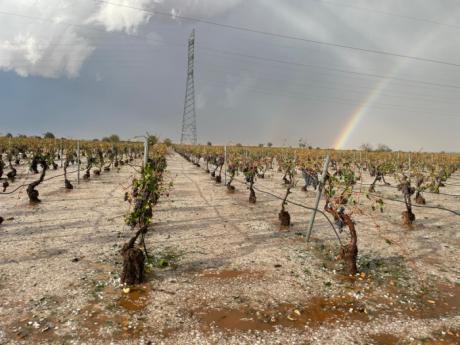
252, 194
133, 261
219, 177
67, 183
231, 188
11, 174
284, 216
408, 216
349, 252
31, 191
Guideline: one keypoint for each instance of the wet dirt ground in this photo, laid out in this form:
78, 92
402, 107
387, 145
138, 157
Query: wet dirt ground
222, 270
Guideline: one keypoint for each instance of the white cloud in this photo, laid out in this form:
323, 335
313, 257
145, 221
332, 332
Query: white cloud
122, 18
36, 38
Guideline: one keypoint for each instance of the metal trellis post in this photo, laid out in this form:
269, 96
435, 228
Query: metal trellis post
409, 167
78, 162
146, 151
62, 151
318, 196
225, 164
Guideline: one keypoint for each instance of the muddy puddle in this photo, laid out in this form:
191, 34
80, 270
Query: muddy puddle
116, 313
444, 300
317, 312
136, 299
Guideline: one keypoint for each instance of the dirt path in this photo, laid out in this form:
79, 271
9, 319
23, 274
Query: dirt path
239, 272
223, 272
52, 253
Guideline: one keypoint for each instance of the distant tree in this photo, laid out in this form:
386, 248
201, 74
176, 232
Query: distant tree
22, 136
9, 135
269, 144
153, 139
302, 143
383, 148
261, 145
209, 143
167, 142
238, 145
49, 135
366, 147
96, 139
114, 138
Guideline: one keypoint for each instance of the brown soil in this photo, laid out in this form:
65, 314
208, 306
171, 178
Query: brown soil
317, 312
231, 276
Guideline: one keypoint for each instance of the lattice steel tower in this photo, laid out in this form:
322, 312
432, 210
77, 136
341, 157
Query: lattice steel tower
189, 118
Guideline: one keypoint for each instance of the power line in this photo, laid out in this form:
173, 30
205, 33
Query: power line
392, 14
284, 36
338, 100
330, 69
344, 87
131, 59
342, 100
299, 64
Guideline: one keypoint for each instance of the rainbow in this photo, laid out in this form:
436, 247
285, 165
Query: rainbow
359, 113
354, 119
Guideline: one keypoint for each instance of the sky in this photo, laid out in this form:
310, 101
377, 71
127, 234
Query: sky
332, 73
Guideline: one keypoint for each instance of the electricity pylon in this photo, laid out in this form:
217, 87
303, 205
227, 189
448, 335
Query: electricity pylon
189, 118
